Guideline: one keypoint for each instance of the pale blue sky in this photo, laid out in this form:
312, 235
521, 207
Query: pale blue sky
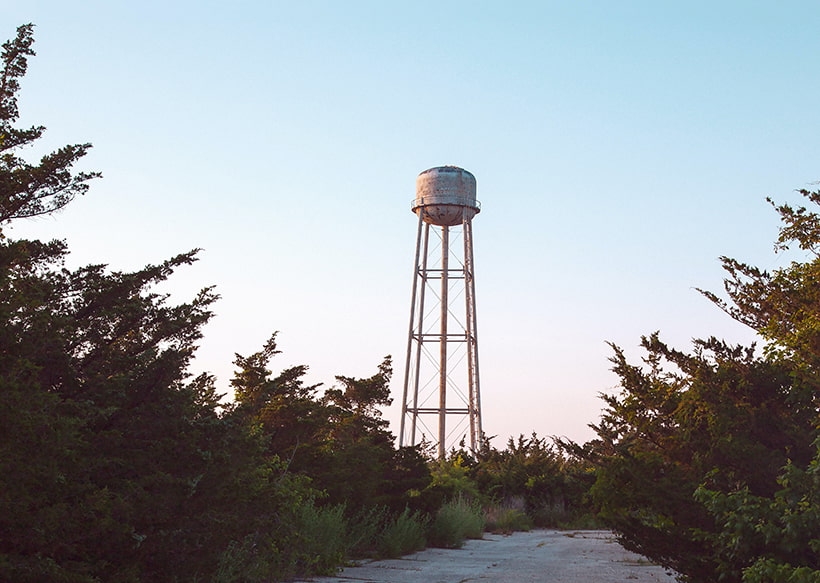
619, 147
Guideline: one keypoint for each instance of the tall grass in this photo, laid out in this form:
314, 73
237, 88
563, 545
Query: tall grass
316, 544
322, 538
456, 520
378, 533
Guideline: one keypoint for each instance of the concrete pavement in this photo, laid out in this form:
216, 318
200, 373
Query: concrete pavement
541, 555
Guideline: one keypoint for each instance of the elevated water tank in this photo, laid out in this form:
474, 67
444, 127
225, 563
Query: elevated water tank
445, 196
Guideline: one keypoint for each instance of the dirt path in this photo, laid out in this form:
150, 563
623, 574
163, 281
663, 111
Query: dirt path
542, 555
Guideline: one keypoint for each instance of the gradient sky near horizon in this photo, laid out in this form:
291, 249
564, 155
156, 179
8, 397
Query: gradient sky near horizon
620, 148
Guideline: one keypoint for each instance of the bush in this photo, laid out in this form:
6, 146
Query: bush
557, 516
403, 535
246, 561
319, 542
363, 531
322, 540
506, 519
455, 521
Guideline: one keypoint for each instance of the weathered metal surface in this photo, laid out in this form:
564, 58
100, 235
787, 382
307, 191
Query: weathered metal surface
446, 196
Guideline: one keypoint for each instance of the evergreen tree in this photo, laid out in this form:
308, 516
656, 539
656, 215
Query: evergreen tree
775, 536
28, 190
707, 461
115, 464
337, 439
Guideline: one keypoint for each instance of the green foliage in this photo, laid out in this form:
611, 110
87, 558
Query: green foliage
774, 571
707, 461
456, 520
321, 541
777, 532
724, 418
309, 540
778, 535
535, 471
338, 439
28, 190
404, 534
115, 464
450, 479
506, 519
248, 561
380, 532
364, 528
317, 540
529, 483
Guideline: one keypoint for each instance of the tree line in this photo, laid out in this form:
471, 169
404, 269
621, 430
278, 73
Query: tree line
116, 464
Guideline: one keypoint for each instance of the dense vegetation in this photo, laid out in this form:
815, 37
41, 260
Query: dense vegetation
117, 465
708, 461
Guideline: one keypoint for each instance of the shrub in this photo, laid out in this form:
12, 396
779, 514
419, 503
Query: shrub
554, 516
363, 531
403, 535
315, 542
322, 539
557, 516
506, 519
455, 521
246, 561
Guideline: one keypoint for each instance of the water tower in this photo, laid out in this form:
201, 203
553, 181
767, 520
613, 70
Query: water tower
441, 379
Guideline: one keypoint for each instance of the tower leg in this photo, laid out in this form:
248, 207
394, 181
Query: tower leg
431, 369
442, 379
476, 432
420, 334
410, 342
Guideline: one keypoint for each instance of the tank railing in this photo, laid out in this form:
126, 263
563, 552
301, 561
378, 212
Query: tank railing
446, 200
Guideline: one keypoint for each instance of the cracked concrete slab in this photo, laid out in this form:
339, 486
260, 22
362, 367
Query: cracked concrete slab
540, 555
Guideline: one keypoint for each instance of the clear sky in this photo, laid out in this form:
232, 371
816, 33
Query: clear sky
619, 148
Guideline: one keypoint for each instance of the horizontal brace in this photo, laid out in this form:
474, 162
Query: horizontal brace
438, 277
437, 411
437, 338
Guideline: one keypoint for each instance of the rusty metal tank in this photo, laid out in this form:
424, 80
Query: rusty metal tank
446, 196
